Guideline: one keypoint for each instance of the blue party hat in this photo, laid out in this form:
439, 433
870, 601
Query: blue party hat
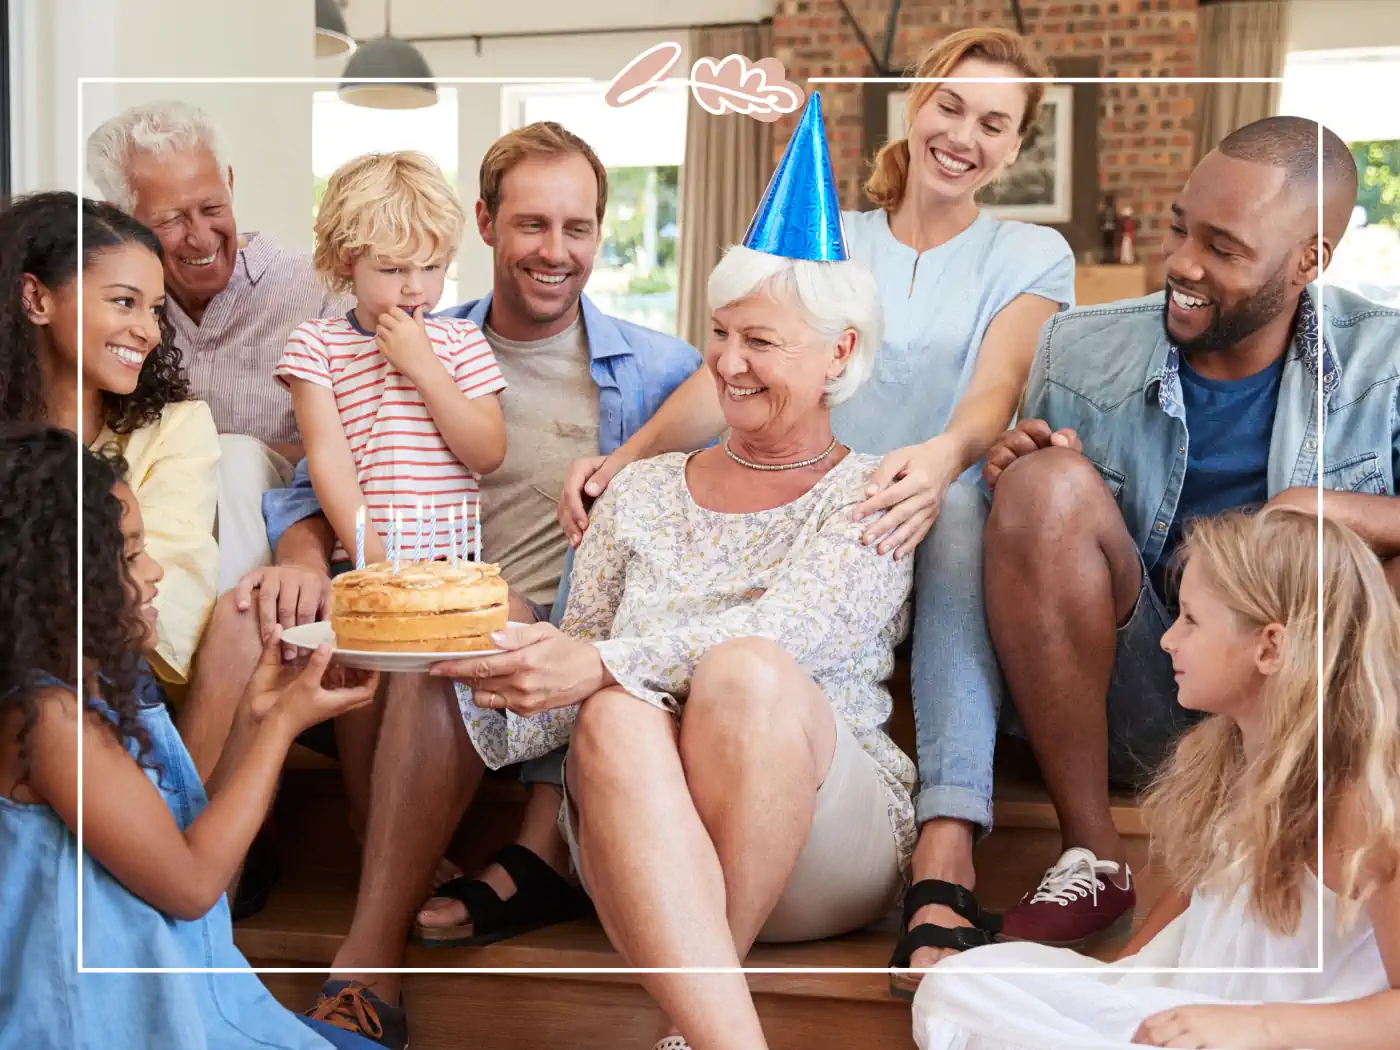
799, 217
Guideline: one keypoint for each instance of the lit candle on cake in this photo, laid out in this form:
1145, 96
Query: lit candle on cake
466, 551
360, 537
452, 531
398, 538
476, 526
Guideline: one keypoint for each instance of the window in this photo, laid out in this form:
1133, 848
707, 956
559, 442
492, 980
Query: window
341, 132
1352, 92
643, 146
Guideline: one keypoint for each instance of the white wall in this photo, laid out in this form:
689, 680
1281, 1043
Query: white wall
56, 42
1326, 25
267, 128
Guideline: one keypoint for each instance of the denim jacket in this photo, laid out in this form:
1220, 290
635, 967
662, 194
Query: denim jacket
1111, 374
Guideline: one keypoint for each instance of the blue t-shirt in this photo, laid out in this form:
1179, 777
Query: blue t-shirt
1229, 423
937, 306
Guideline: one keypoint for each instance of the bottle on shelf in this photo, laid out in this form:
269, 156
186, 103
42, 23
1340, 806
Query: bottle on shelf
1126, 254
1108, 229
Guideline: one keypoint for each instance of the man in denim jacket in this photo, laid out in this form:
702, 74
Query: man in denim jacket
1142, 414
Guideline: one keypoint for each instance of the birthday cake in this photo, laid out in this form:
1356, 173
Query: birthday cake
424, 607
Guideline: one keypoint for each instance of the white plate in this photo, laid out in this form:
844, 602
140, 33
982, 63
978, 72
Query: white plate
310, 635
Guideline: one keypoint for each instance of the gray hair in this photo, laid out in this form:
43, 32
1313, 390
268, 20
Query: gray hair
832, 297
157, 128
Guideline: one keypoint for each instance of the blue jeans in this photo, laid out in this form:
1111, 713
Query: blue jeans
957, 684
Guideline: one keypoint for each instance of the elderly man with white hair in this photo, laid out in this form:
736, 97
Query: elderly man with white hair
232, 297
721, 660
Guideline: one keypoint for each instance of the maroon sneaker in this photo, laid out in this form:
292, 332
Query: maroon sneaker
1076, 901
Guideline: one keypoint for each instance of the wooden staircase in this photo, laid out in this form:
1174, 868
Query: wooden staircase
310, 911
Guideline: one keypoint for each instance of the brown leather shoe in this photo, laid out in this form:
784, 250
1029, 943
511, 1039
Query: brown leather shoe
1077, 901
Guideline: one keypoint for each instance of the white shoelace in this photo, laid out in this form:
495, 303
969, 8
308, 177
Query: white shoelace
1077, 874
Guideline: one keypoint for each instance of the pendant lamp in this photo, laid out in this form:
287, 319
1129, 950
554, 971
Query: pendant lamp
388, 73
332, 38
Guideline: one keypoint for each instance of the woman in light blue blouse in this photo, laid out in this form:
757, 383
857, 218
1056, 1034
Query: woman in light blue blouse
964, 296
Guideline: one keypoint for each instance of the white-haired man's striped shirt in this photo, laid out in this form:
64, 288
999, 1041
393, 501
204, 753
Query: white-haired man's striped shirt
231, 353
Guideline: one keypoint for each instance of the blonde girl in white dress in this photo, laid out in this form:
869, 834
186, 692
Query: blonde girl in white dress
1234, 822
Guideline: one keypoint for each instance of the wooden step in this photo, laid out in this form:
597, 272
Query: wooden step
491, 1012
310, 910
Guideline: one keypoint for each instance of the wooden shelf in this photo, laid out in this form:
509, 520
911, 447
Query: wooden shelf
1094, 285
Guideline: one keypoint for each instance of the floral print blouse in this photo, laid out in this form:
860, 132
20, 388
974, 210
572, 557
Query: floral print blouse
660, 580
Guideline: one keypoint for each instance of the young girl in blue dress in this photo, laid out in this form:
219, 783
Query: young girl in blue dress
157, 851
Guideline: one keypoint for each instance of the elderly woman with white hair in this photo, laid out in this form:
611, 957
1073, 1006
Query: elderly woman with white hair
721, 664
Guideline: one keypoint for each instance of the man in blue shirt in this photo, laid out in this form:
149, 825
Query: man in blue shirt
580, 382
1144, 414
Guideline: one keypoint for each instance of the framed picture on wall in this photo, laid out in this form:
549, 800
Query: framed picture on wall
1036, 188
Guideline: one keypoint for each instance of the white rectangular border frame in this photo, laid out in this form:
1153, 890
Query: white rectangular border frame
615, 970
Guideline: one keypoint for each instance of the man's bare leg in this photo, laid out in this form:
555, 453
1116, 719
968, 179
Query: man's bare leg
539, 830
1062, 573
425, 774
356, 737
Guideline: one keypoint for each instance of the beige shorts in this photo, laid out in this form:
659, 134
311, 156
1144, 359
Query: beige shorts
847, 875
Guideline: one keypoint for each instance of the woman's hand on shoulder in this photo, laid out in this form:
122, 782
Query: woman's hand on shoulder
906, 491
541, 669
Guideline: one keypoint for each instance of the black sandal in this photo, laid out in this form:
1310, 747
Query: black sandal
985, 926
542, 898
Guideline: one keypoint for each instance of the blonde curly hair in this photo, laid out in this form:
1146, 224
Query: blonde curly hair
397, 206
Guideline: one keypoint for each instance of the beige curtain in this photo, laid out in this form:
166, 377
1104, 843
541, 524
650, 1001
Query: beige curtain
727, 163
1238, 39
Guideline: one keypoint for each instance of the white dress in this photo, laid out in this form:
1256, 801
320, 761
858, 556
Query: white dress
956, 1009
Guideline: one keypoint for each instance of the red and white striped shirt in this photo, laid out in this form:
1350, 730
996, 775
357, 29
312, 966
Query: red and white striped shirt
401, 460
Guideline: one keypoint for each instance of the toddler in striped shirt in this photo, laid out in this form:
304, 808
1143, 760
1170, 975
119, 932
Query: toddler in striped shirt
397, 409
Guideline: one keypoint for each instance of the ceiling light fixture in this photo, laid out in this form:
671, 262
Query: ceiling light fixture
332, 38
388, 73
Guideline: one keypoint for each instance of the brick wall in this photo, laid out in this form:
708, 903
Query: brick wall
1144, 133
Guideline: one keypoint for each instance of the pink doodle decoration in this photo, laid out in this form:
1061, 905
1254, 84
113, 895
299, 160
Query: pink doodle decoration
643, 74
730, 85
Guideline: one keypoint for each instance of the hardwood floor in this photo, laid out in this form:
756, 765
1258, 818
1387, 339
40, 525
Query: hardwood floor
310, 911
